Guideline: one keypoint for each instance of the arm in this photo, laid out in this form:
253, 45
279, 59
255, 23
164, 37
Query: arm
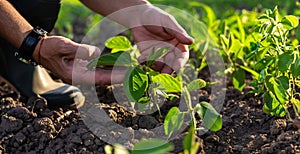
14, 28
57, 53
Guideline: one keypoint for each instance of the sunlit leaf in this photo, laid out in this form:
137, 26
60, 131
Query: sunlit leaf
167, 83
296, 102
118, 43
290, 21
284, 61
295, 67
120, 58
275, 86
238, 79
135, 83
272, 105
190, 146
211, 118
152, 146
196, 85
173, 121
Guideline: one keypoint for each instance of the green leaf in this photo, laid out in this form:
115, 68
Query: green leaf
272, 105
172, 97
295, 67
120, 58
152, 146
211, 17
190, 146
196, 85
187, 96
173, 121
241, 29
290, 21
254, 73
264, 63
135, 83
284, 62
118, 43
284, 82
211, 118
115, 149
238, 79
254, 49
224, 42
296, 102
275, 86
167, 83
154, 55
144, 100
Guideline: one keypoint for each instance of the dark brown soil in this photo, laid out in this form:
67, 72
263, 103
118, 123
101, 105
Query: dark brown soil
29, 126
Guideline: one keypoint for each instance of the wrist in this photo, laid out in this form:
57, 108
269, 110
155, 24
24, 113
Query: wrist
26, 51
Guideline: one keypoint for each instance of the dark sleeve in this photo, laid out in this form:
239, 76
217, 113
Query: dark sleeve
42, 13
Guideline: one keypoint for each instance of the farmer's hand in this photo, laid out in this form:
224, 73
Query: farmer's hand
65, 58
157, 29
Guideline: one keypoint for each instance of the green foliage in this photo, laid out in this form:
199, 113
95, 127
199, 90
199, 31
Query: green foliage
277, 57
135, 83
211, 118
167, 83
152, 146
72, 12
190, 146
115, 59
148, 146
118, 43
196, 85
143, 85
173, 121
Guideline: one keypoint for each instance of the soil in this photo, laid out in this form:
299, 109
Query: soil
29, 126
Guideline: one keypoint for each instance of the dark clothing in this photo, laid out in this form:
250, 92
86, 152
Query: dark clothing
42, 13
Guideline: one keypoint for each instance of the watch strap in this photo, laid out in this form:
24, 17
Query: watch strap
28, 45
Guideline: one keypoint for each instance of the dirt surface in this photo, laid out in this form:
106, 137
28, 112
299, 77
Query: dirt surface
29, 126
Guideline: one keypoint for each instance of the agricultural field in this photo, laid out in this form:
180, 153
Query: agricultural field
238, 93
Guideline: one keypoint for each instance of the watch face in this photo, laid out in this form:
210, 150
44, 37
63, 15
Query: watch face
40, 31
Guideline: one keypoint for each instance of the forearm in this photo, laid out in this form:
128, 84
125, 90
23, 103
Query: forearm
106, 7
113, 9
13, 27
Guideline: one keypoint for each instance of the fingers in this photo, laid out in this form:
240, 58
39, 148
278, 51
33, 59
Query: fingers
100, 76
87, 52
171, 26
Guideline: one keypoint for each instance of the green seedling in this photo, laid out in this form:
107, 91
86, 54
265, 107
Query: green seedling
141, 84
277, 63
211, 119
144, 86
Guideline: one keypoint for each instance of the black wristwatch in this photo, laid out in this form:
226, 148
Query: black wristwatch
26, 50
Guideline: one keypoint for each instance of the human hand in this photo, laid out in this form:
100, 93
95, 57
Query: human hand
157, 29
68, 60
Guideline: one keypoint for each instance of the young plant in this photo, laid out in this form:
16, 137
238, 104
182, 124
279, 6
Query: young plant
209, 116
141, 84
277, 63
